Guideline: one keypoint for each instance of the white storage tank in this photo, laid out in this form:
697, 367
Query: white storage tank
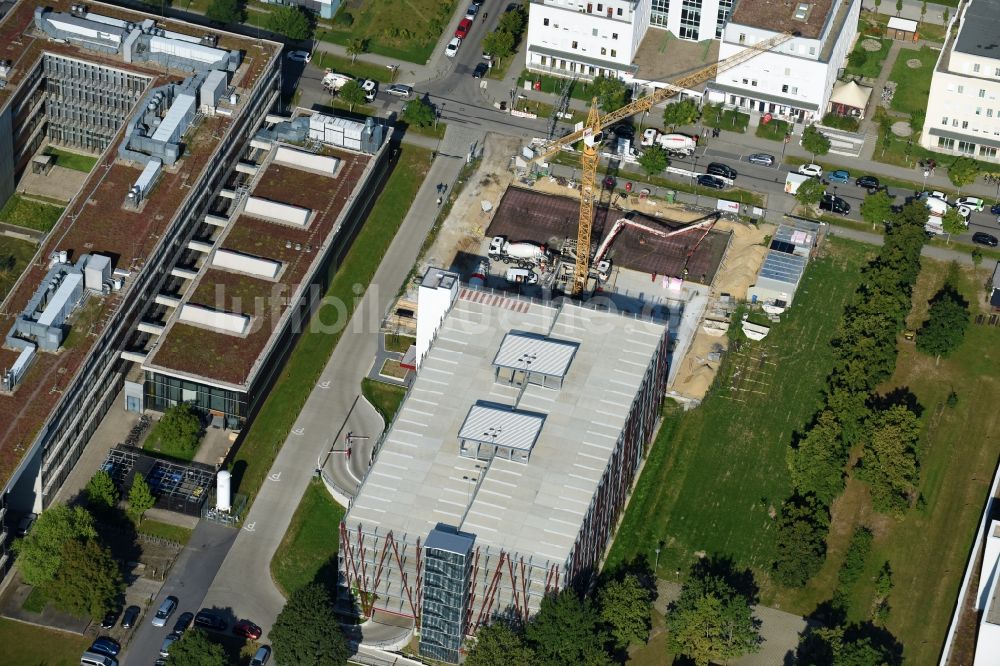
223, 499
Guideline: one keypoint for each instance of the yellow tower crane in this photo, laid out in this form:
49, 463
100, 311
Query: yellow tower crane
590, 133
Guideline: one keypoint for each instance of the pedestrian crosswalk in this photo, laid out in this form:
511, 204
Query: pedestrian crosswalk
844, 143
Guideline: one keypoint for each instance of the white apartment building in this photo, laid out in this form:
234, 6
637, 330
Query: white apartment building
963, 107
793, 82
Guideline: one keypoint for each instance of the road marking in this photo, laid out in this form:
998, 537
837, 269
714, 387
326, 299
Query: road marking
275, 477
298, 432
250, 527
324, 385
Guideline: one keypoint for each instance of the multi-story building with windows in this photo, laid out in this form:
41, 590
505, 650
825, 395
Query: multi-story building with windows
793, 81
963, 107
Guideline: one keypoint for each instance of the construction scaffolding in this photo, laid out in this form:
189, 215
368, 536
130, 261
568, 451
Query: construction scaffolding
179, 487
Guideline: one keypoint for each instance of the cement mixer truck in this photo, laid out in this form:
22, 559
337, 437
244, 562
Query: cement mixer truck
525, 254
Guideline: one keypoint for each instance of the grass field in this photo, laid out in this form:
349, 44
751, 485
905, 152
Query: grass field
730, 119
358, 69
28, 645
275, 419
22, 212
913, 84
399, 343
166, 531
872, 65
714, 473
74, 161
15, 255
385, 397
776, 130
404, 29
308, 551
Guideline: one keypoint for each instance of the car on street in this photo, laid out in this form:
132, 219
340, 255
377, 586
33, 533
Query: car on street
462, 31
299, 56
400, 90
129, 617
452, 47
623, 131
247, 629
934, 195
471, 12
839, 176
720, 169
813, 170
983, 238
182, 623
870, 182
974, 203
995, 209
761, 158
206, 619
487, 56
370, 86
480, 70
106, 645
708, 180
261, 656
167, 642
111, 618
164, 612
834, 204
964, 211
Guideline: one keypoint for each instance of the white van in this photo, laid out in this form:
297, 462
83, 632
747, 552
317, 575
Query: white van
521, 276
97, 659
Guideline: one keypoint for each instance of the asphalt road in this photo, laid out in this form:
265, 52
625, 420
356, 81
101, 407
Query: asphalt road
189, 578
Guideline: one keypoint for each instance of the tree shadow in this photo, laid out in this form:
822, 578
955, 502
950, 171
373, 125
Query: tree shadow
898, 397
724, 567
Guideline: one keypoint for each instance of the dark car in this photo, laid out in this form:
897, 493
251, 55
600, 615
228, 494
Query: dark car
983, 238
206, 619
261, 656
182, 623
761, 158
106, 645
480, 70
624, 131
720, 169
834, 204
708, 180
995, 209
130, 616
110, 619
247, 629
870, 182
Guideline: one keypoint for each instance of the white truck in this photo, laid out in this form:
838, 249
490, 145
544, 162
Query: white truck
333, 81
793, 181
525, 254
677, 144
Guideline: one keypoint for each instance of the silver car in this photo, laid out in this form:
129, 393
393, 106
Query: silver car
400, 90
761, 158
164, 612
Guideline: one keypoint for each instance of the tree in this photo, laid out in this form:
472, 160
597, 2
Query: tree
889, 462
899, 7
817, 462
351, 93
609, 91
852, 645
225, 11
653, 160
418, 112
140, 499
810, 192
944, 16
499, 44
680, 113
977, 258
498, 644
625, 607
878, 3
952, 222
962, 172
923, 10
947, 318
290, 21
195, 649
307, 632
876, 208
917, 121
356, 47
102, 493
566, 630
40, 553
815, 141
800, 540
179, 429
512, 22
88, 582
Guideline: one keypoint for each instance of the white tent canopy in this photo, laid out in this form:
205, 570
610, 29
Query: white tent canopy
851, 94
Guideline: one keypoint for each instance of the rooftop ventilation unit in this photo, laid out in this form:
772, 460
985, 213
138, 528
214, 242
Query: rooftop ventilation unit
78, 10
802, 11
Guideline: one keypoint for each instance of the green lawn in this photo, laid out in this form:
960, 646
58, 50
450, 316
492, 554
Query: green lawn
23, 212
69, 160
776, 130
15, 255
714, 473
554, 85
913, 85
166, 531
385, 397
730, 119
871, 67
404, 29
427, 130
308, 552
399, 343
359, 69
28, 645
274, 421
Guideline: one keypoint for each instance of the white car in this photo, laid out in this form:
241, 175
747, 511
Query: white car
400, 90
935, 195
371, 89
970, 202
299, 56
649, 136
452, 47
964, 211
813, 170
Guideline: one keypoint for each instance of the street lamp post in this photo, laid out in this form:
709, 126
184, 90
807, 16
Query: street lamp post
694, 177
927, 172
657, 565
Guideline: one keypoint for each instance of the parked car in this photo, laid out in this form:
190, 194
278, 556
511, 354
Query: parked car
130, 616
462, 31
164, 612
834, 204
708, 180
839, 176
167, 642
89, 658
452, 47
974, 203
247, 629
964, 211
106, 645
983, 238
487, 56
934, 194
261, 656
995, 209
182, 623
624, 131
206, 619
400, 90
761, 158
480, 70
813, 170
521, 276
870, 182
111, 618
299, 56
720, 169
370, 86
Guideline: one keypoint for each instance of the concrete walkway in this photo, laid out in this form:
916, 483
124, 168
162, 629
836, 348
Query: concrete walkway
929, 251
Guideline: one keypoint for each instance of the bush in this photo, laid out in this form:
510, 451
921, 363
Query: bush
845, 123
343, 18
857, 553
